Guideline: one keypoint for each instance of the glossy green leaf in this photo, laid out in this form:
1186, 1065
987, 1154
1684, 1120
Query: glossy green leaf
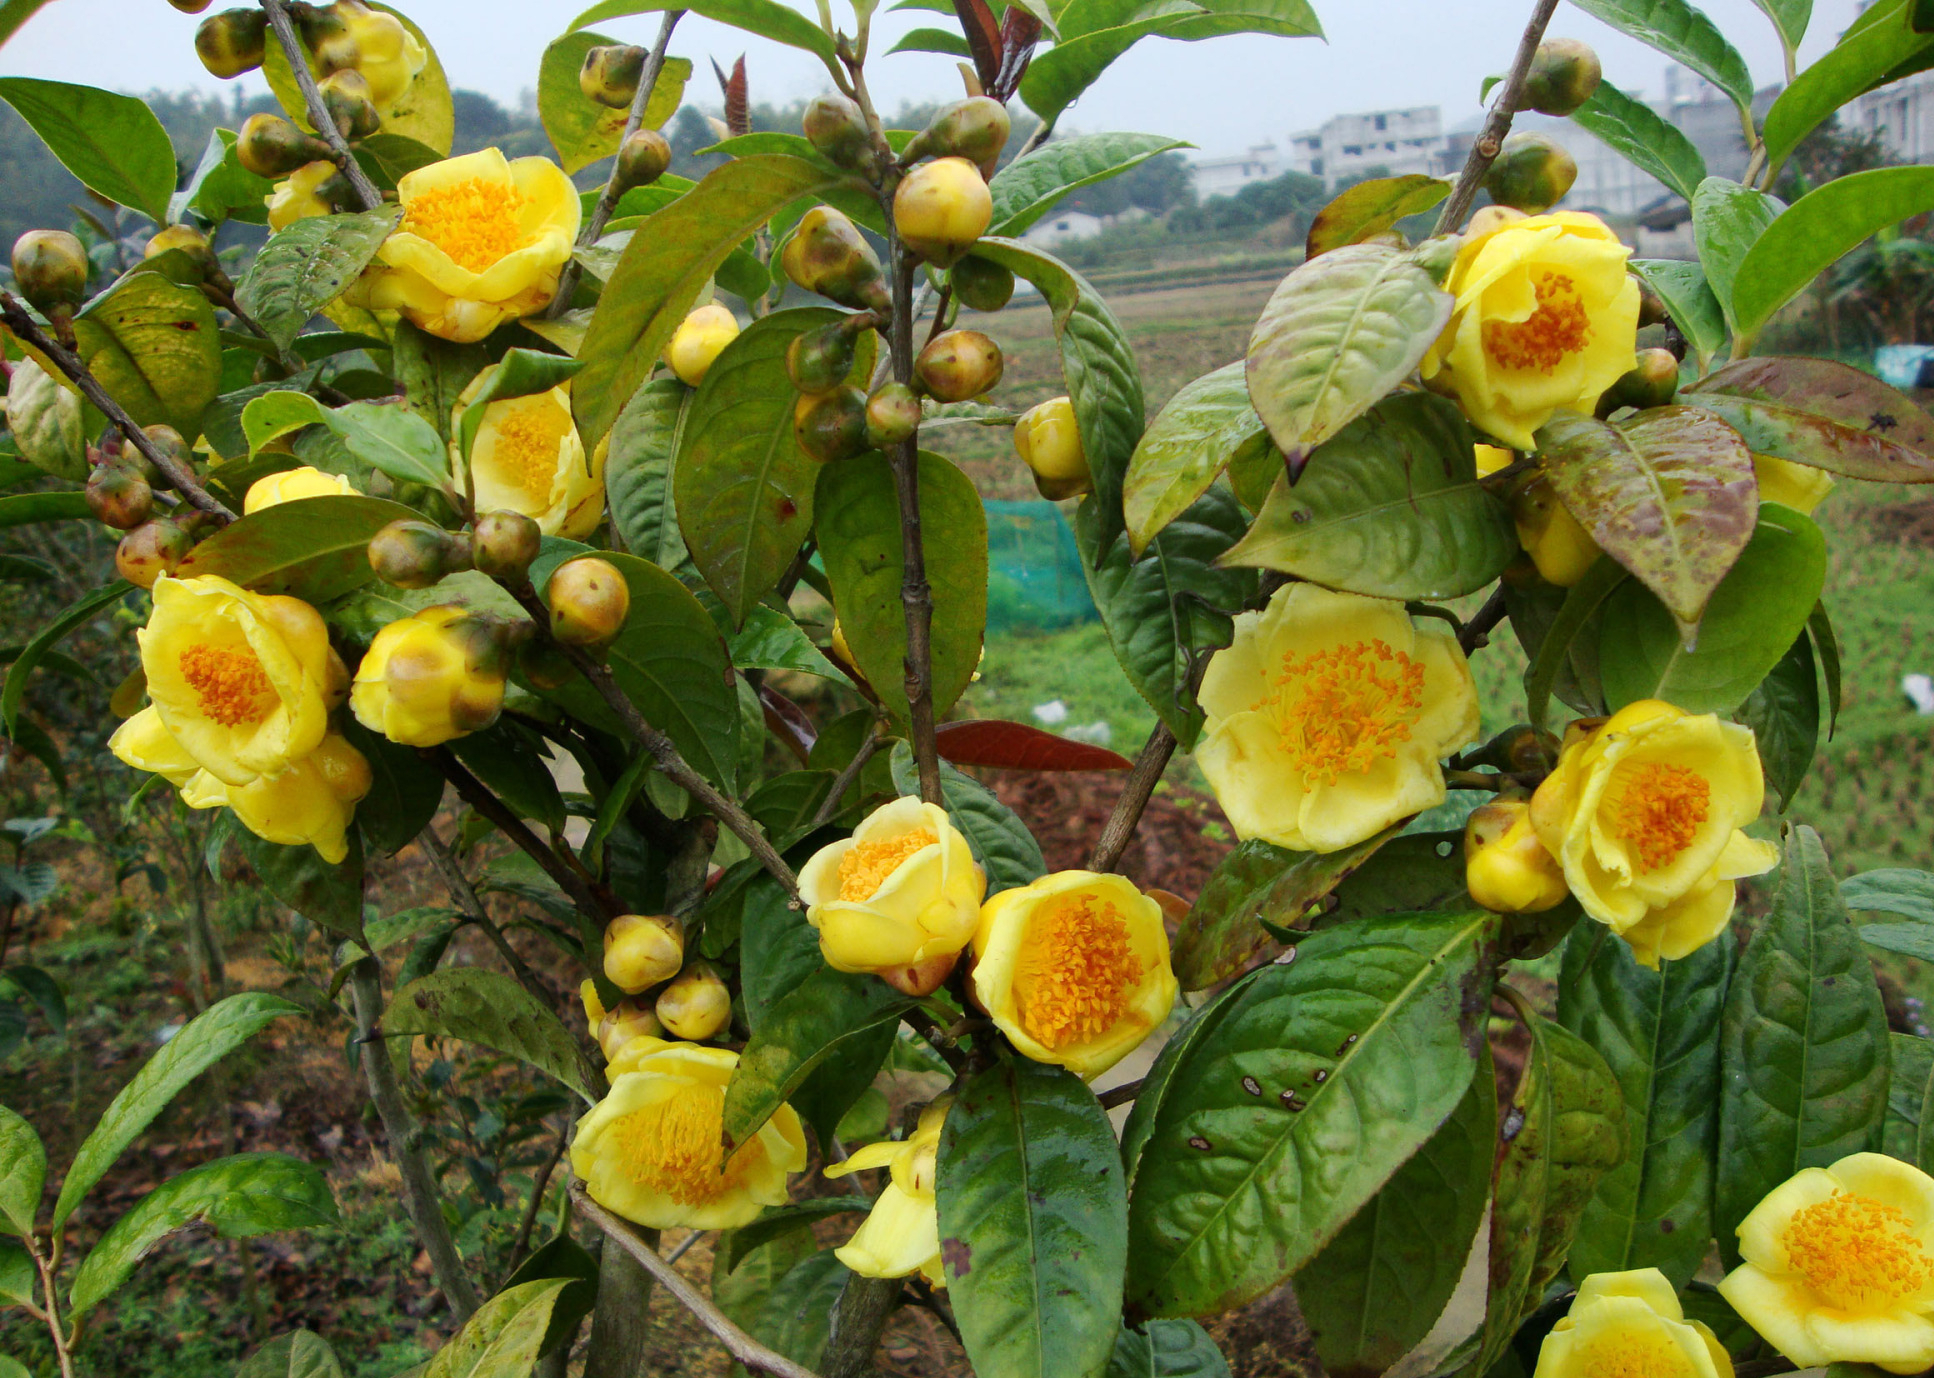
220, 188
237, 1197
1855, 64
1185, 449
1822, 413
329, 896
1057, 78
203, 1041
306, 265
395, 440
1908, 1133
404, 795
1727, 221
1755, 614
1166, 1349
1681, 285
46, 420
1827, 647
638, 472
770, 640
1668, 493
863, 548
26, 509
511, 763
1033, 1222
792, 1312
112, 143
152, 345
15, 13
829, 1015
1337, 335
932, 41
1372, 207
1643, 138
779, 1221
1803, 1055
23, 1171
583, 131
506, 1335
1892, 890
1562, 639
1171, 605
58, 628
433, 372
1028, 188
1784, 713
1684, 34
767, 18
1389, 507
298, 1354
314, 549
1316, 1082
493, 1011
1001, 843
19, 1280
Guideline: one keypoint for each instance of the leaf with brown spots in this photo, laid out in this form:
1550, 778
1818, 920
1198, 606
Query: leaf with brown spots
1822, 413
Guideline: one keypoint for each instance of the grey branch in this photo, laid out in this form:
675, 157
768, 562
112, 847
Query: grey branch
1484, 149
285, 35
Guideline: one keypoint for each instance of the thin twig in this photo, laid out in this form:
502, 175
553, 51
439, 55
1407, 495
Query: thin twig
845, 780
741, 1346
180, 478
684, 1246
1490, 140
939, 1039
1042, 133
1476, 632
1135, 795
284, 26
478, 796
521, 1244
1121, 1095
1478, 779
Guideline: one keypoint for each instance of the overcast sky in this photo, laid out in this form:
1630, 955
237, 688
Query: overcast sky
1223, 94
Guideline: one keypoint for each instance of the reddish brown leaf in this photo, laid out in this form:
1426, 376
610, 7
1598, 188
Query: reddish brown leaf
1016, 746
738, 104
1020, 31
787, 721
983, 39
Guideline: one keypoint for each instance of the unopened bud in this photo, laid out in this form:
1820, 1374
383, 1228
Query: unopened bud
1564, 74
232, 42
611, 73
836, 126
819, 360
190, 6
831, 425
1558, 545
346, 96
981, 283
892, 415
195, 245
1654, 382
1532, 174
828, 255
118, 497
590, 602
700, 338
1505, 866
922, 978
641, 950
326, 31
50, 269
1518, 750
958, 366
1652, 309
416, 554
975, 129
168, 441
270, 146
504, 544
642, 159
152, 550
1048, 439
941, 209
631, 1019
697, 1005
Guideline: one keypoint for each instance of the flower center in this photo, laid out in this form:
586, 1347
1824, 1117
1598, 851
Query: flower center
1540, 343
1660, 811
1635, 1353
229, 683
1076, 973
1859, 1254
1338, 711
526, 444
866, 865
674, 1148
473, 221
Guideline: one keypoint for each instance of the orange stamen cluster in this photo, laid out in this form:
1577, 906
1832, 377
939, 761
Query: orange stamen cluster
1859, 1254
866, 865
1539, 343
527, 439
1631, 1352
229, 683
1077, 972
674, 1148
474, 221
1660, 810
1340, 710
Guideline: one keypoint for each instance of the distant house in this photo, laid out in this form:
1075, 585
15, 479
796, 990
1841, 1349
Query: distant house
1227, 176
1062, 227
1347, 148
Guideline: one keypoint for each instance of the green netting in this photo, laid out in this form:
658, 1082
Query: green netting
1034, 579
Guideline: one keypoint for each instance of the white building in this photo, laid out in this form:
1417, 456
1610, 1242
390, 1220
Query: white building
1227, 176
1062, 227
1903, 116
1391, 143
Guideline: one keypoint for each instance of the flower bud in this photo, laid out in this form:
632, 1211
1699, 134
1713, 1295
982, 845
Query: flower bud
431, 677
196, 246
696, 1005
892, 415
611, 73
152, 550
1652, 308
270, 146
232, 42
828, 255
975, 129
1653, 383
958, 366
312, 189
416, 554
836, 126
1505, 866
50, 268
941, 209
818, 360
1561, 548
981, 283
1532, 174
345, 95
190, 6
119, 497
167, 440
1518, 750
1564, 73
923, 977
327, 34
641, 950
589, 602
1049, 441
831, 425
505, 543
631, 1019
700, 338
642, 159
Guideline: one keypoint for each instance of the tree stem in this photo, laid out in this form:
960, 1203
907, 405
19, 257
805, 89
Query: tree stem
1135, 795
285, 35
1485, 148
860, 1314
477, 795
916, 595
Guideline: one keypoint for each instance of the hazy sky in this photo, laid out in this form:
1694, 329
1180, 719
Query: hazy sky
1223, 94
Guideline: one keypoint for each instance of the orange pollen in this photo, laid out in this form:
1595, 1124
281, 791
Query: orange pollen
1631, 1352
229, 683
867, 865
473, 221
1540, 342
1077, 972
527, 441
1339, 711
1660, 810
674, 1148
1859, 1254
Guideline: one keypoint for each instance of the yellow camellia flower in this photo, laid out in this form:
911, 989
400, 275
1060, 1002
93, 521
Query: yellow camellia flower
291, 484
901, 1234
903, 888
237, 678
481, 242
1798, 486
527, 458
1558, 545
145, 743
651, 1149
1546, 319
1328, 715
429, 677
1631, 1325
1506, 868
1839, 1266
387, 54
297, 196
311, 802
1644, 813
1074, 968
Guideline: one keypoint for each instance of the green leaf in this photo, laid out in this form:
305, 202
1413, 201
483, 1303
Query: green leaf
405, 795
667, 263
1033, 1222
1028, 188
26, 509
932, 41
153, 346
46, 419
1379, 1285
1643, 138
1185, 449
1001, 843
306, 265
237, 1197
220, 188
434, 373
1862, 58
62, 625
1891, 890
23, 1171
1753, 618
583, 131
1681, 284
1911, 1076
793, 1313
1727, 220
638, 472
770, 640
1820, 627
1389, 507
331, 897
1316, 1082
203, 1041
493, 1011
778, 949
1166, 1349
298, 1354
12, 15
779, 1221
1823, 413
1056, 78
112, 143
1816, 231
1369, 208
506, 1335
19, 1280
1659, 1033
398, 442
1784, 713
1564, 1130
1669, 493
1336, 336
510, 762
1170, 606
389, 158
1803, 1054
520, 373
1564, 648
315, 549
766, 18
1683, 34
1789, 17
829, 1015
